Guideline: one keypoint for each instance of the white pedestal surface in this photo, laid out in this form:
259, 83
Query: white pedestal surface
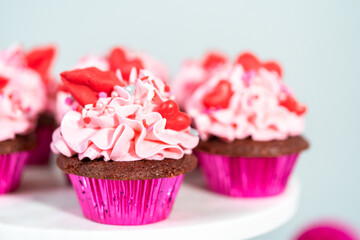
44, 207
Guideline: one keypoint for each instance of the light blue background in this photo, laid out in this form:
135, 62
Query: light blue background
318, 43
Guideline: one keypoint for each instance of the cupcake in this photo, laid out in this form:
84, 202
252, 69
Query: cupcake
124, 62
40, 59
126, 147
249, 121
22, 99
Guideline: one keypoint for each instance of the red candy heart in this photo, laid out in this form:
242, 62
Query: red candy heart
86, 84
40, 60
292, 105
175, 119
250, 62
118, 60
3, 82
219, 97
213, 59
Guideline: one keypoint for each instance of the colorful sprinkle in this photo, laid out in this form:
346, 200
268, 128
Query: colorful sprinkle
102, 95
99, 105
87, 120
130, 89
88, 106
194, 132
68, 101
114, 94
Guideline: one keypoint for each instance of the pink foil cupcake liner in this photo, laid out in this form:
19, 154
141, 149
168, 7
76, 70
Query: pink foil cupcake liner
11, 166
130, 202
41, 154
246, 177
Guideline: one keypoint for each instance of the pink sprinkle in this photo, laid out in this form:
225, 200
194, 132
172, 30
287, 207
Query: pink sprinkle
68, 101
149, 128
246, 77
102, 95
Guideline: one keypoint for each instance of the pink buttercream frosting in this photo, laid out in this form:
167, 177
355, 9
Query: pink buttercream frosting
254, 108
22, 98
124, 126
64, 102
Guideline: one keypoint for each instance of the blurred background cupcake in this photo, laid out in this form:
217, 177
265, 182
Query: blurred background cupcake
41, 60
125, 148
22, 99
249, 122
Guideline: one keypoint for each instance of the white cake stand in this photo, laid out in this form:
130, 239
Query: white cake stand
46, 208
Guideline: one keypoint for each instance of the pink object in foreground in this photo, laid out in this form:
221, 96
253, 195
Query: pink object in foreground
328, 231
11, 166
41, 154
131, 202
246, 177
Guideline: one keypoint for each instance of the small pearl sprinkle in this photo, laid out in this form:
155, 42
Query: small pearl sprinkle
110, 110
194, 132
88, 106
68, 101
99, 105
114, 94
130, 89
102, 95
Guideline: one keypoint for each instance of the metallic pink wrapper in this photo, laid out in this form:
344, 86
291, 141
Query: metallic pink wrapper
131, 202
246, 177
41, 154
11, 166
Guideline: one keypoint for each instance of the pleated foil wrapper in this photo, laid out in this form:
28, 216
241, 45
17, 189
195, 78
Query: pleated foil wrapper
246, 177
128, 202
11, 167
41, 154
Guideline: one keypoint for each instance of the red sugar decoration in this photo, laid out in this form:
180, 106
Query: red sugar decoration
87, 120
250, 62
40, 59
213, 59
3, 82
86, 84
175, 119
219, 97
118, 60
292, 105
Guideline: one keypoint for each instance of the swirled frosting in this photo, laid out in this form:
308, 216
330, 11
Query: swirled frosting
232, 102
22, 94
64, 101
125, 126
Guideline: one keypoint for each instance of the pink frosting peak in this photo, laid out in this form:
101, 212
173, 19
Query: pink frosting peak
124, 126
22, 94
64, 101
232, 103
